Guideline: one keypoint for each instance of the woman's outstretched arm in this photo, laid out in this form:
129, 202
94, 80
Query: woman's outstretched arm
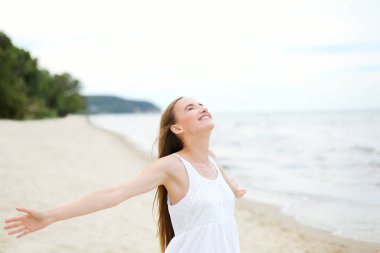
152, 176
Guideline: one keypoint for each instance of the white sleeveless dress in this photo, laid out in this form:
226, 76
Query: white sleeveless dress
204, 220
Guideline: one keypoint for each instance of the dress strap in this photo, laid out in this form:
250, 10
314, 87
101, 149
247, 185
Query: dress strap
189, 168
192, 179
192, 171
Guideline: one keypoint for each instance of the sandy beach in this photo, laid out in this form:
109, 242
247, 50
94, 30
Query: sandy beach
45, 163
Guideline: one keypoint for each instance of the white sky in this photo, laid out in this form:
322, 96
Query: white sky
229, 55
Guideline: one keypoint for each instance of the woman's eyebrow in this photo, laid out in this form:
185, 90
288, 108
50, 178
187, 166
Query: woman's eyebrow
192, 105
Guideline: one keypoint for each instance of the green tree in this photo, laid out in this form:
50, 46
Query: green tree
13, 98
66, 96
26, 91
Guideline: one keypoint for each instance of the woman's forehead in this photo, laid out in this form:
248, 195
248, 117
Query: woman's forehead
183, 102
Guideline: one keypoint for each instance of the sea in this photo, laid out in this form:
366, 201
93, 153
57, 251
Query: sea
321, 168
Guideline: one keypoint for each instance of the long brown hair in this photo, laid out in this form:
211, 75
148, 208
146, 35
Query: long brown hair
168, 143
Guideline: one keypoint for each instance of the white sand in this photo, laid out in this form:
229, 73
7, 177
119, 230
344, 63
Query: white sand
45, 163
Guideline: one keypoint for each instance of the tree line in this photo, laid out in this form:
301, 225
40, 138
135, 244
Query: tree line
30, 92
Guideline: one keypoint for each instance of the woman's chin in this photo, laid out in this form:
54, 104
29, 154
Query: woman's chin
209, 124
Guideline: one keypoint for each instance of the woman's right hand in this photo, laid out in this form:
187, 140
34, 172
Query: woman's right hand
33, 220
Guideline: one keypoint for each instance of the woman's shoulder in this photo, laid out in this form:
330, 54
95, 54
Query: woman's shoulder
169, 163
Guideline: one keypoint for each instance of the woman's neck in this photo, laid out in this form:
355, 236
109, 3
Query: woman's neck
197, 148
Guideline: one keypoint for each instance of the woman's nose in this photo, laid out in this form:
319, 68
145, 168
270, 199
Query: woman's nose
204, 109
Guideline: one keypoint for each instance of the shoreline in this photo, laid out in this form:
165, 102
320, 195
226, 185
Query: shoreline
262, 209
270, 213
64, 158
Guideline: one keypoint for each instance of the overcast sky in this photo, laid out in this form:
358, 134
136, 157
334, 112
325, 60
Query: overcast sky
229, 55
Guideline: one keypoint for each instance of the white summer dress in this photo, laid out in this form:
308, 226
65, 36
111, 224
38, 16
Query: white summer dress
204, 220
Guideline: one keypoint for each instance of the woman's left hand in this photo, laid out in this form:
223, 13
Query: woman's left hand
239, 193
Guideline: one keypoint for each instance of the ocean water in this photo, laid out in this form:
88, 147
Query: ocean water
322, 168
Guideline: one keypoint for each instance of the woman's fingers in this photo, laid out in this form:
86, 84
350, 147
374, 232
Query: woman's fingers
14, 219
14, 225
21, 209
18, 223
21, 235
17, 231
19, 218
241, 193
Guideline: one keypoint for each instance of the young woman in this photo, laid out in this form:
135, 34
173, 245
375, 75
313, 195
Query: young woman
195, 198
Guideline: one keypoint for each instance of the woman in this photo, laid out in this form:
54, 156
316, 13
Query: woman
194, 196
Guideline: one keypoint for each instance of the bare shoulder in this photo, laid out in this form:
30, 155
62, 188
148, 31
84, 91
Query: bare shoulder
168, 164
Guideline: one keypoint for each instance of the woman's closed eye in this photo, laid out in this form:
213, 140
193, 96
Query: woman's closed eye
192, 107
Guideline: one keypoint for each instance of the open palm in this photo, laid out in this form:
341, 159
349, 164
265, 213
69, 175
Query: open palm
33, 220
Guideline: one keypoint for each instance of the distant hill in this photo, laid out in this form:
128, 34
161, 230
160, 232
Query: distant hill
113, 104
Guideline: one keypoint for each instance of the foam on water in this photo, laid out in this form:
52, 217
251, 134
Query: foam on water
321, 168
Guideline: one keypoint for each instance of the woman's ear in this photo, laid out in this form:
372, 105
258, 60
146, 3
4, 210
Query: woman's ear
176, 129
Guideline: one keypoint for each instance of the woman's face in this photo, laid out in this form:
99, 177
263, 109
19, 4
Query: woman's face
191, 116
